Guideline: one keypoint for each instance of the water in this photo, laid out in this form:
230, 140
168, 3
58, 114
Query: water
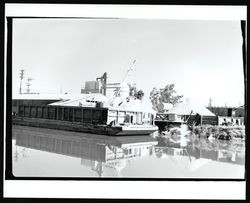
41, 152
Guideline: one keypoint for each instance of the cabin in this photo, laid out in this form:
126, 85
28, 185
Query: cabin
186, 112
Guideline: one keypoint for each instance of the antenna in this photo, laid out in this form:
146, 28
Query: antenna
21, 77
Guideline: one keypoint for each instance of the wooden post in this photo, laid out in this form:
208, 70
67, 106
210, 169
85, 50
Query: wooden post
57, 113
71, 146
68, 113
82, 115
117, 113
62, 113
91, 116
73, 109
29, 111
42, 112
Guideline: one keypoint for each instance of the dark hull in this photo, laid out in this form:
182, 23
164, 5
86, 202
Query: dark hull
78, 127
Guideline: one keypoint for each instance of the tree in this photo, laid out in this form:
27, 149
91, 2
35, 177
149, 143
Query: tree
138, 94
154, 97
132, 90
164, 95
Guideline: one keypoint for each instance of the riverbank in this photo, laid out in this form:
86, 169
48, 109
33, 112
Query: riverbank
207, 131
219, 132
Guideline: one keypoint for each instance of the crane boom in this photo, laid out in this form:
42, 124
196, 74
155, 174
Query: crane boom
126, 75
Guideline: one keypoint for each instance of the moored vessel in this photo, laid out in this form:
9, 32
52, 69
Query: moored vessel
91, 112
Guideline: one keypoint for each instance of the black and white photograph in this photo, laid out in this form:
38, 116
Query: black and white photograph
127, 98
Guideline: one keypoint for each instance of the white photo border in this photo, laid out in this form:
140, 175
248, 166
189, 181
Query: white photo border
124, 189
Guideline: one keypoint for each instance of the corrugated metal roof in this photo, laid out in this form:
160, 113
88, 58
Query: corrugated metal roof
82, 100
135, 105
39, 96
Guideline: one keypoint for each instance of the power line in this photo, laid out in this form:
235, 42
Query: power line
21, 77
28, 84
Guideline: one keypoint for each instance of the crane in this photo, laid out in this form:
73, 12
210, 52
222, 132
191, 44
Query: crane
122, 83
126, 75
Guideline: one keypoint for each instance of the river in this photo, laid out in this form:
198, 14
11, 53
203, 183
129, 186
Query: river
39, 152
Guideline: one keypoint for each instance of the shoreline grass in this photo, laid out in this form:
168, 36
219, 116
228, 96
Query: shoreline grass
219, 132
208, 131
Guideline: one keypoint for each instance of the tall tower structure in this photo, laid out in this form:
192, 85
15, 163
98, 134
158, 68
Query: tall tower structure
103, 80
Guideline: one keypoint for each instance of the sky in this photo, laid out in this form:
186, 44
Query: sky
202, 58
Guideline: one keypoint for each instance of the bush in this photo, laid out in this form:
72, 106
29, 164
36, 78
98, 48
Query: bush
224, 136
218, 132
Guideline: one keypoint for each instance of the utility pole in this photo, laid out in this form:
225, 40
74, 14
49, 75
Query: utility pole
21, 77
28, 84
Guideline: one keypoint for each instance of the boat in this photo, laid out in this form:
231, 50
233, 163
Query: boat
127, 119
91, 113
185, 113
166, 121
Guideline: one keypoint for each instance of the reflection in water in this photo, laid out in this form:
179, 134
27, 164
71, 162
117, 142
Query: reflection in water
96, 151
200, 149
130, 155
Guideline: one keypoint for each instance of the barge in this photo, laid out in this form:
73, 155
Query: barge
91, 117
91, 111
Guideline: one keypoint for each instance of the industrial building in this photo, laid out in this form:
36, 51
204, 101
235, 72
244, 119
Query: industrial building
228, 111
233, 115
